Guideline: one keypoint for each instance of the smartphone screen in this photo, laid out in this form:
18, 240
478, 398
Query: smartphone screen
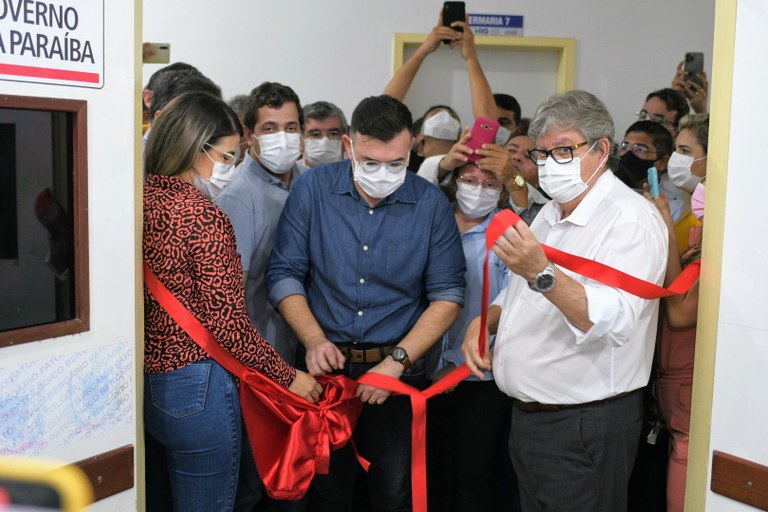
453, 11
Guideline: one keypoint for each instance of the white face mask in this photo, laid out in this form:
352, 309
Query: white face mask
442, 126
562, 182
679, 170
476, 202
379, 182
221, 175
322, 151
279, 151
502, 136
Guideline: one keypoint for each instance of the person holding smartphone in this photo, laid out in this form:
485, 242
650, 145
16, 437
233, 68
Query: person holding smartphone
696, 91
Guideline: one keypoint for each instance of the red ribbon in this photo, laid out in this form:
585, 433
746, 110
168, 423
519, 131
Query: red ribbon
499, 224
588, 268
291, 439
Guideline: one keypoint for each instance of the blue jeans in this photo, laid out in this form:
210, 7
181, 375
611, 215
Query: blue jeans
193, 438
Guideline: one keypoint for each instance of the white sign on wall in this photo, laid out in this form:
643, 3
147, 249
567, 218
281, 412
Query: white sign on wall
58, 42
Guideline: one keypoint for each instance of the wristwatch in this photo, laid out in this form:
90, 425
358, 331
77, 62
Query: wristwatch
544, 280
401, 356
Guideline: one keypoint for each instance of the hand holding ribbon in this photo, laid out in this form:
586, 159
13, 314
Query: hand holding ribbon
588, 268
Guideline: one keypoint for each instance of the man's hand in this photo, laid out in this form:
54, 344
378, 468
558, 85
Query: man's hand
696, 94
520, 251
306, 387
471, 349
436, 36
497, 160
323, 357
373, 395
466, 40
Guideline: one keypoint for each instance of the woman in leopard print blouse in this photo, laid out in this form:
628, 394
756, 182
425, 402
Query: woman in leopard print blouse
191, 408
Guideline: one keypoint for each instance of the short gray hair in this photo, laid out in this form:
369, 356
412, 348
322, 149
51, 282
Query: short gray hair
573, 110
237, 103
322, 110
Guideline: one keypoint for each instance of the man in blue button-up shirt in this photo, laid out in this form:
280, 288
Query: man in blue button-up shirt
368, 255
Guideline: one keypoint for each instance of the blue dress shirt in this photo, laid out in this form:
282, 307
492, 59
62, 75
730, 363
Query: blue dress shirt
368, 273
253, 202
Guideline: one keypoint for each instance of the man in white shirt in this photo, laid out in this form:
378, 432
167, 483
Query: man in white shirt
574, 353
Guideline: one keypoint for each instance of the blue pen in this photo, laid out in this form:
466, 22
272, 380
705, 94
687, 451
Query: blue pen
653, 182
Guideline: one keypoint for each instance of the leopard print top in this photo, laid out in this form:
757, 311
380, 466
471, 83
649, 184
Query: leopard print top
189, 244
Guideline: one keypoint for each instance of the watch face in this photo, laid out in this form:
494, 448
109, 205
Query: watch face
399, 354
545, 282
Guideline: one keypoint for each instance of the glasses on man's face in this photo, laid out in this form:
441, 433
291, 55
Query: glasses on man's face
643, 115
395, 166
490, 185
640, 150
560, 154
229, 158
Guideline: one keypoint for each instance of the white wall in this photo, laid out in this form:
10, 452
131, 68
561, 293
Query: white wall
739, 408
78, 392
341, 50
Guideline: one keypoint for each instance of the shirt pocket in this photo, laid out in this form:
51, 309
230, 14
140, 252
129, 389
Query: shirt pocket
180, 393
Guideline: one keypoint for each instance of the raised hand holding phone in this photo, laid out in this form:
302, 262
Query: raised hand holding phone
453, 11
483, 132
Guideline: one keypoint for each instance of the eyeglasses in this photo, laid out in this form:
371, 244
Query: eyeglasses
488, 185
643, 115
640, 150
560, 154
229, 158
395, 166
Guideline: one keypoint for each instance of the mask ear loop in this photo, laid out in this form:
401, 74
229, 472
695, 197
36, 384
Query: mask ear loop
598, 165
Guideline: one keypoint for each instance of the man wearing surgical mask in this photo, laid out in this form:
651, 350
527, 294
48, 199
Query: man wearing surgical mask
253, 202
507, 113
255, 197
574, 353
440, 130
367, 268
324, 124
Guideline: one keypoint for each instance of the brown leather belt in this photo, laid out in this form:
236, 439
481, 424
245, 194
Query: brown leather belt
369, 355
537, 407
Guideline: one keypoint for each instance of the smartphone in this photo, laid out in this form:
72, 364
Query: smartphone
156, 53
693, 65
653, 182
453, 11
483, 132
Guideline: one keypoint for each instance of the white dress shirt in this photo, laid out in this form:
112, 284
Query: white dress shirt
541, 357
